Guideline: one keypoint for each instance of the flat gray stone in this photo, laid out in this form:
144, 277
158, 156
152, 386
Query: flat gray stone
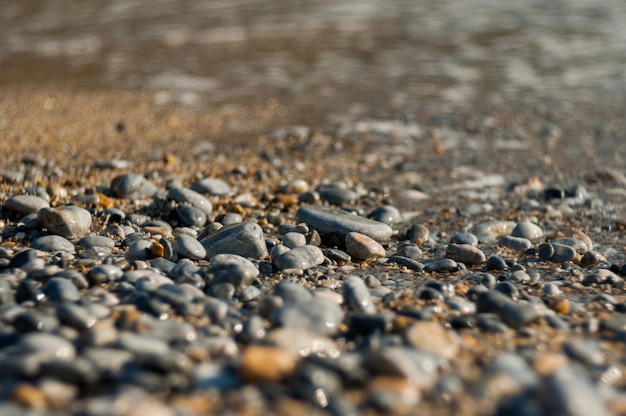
26, 204
212, 186
246, 240
332, 221
68, 221
515, 243
303, 257
357, 296
52, 243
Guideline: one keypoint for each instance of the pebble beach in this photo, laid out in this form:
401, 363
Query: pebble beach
165, 252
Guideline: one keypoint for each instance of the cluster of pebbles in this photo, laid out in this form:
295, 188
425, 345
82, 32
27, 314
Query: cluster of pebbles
141, 297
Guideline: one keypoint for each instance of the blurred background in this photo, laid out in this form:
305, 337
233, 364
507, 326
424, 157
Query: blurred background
333, 58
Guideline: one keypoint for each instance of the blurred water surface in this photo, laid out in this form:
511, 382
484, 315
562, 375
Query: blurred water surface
346, 57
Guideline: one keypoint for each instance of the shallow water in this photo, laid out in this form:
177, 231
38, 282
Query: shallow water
334, 59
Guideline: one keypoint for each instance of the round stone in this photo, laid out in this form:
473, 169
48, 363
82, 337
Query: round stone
515, 243
188, 247
303, 257
527, 230
466, 254
332, 221
465, 238
68, 221
362, 247
386, 214
293, 239
191, 216
233, 269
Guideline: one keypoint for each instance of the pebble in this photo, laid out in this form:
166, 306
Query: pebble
332, 221
26, 204
420, 367
357, 296
191, 216
527, 230
432, 337
246, 240
267, 364
212, 186
133, 187
293, 239
465, 238
386, 214
231, 268
188, 247
68, 221
337, 196
441, 265
407, 262
418, 234
303, 257
584, 351
315, 315
557, 253
411, 251
466, 254
571, 393
517, 315
60, 289
362, 247
193, 198
53, 243
93, 241
47, 346
515, 243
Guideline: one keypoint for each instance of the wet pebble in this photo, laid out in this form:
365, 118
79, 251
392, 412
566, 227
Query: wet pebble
191, 216
316, 315
517, 315
441, 265
293, 239
193, 198
337, 195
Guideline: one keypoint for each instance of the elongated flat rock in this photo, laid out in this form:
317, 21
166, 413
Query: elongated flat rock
328, 221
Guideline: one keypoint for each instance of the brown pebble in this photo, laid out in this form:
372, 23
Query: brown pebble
261, 364
157, 249
560, 305
548, 362
362, 247
29, 396
434, 338
403, 392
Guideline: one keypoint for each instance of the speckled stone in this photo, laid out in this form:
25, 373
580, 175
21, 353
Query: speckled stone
331, 221
68, 221
361, 247
188, 247
233, 269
